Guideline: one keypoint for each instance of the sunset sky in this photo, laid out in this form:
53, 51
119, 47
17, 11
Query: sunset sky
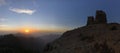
53, 15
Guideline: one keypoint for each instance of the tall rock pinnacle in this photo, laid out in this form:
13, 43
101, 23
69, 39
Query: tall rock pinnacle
100, 18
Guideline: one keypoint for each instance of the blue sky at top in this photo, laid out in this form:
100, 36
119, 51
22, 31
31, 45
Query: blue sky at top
54, 13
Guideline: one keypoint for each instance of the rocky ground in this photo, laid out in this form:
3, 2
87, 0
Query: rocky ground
97, 38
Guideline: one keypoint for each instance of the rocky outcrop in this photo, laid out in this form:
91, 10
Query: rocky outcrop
99, 19
99, 37
90, 20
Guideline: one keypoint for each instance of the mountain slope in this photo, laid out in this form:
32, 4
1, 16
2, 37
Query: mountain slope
97, 36
101, 38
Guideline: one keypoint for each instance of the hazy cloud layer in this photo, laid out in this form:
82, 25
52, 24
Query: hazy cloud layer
3, 25
2, 2
2, 19
22, 11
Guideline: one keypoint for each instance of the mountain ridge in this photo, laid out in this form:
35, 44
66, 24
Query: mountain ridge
100, 37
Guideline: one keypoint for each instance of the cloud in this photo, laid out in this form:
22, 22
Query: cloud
2, 2
2, 25
22, 11
3, 19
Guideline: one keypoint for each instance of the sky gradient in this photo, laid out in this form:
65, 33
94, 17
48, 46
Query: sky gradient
53, 15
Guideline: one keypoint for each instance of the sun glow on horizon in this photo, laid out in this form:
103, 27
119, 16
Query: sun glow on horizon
27, 31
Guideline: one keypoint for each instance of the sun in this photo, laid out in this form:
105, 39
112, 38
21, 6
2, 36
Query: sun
27, 31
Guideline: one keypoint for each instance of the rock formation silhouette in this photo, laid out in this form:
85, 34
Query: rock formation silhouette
97, 36
90, 20
99, 19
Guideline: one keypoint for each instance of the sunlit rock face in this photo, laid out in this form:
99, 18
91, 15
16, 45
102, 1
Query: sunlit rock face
96, 38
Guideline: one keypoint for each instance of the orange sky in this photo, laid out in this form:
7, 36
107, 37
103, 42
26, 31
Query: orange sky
32, 30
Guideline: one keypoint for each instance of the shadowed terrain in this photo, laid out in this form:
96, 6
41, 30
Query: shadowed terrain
97, 36
15, 44
18, 43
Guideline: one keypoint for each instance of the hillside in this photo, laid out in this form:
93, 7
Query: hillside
97, 36
12, 43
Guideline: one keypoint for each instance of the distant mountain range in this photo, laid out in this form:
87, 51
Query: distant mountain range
20, 43
16, 44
